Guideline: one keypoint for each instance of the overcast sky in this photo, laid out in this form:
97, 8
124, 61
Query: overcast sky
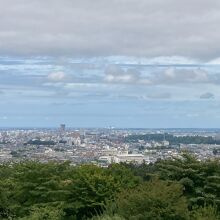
98, 63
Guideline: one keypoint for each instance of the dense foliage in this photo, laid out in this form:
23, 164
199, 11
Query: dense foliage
174, 140
170, 189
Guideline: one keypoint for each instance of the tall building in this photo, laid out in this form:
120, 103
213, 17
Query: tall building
62, 127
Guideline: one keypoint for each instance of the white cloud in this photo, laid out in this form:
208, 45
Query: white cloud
117, 75
174, 75
167, 76
57, 76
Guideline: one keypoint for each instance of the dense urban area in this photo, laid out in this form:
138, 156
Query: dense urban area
106, 146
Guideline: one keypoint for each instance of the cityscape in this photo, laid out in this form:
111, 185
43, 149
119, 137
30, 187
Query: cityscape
108, 145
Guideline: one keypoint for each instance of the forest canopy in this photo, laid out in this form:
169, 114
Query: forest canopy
168, 189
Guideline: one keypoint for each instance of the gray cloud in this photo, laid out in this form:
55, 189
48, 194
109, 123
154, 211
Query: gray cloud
207, 95
117, 27
115, 74
167, 76
104, 80
176, 76
165, 95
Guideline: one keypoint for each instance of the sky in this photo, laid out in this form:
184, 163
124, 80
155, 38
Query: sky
101, 63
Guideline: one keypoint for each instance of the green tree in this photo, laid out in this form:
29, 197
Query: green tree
201, 179
158, 200
205, 213
45, 213
90, 187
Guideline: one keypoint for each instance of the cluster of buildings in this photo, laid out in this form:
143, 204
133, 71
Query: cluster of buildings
98, 146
